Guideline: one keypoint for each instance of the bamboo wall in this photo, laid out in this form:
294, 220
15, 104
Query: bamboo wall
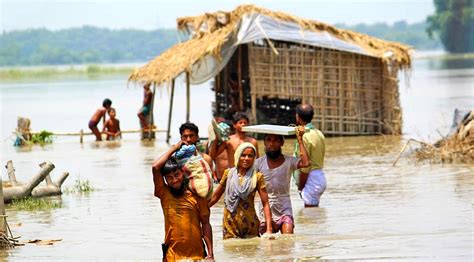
351, 94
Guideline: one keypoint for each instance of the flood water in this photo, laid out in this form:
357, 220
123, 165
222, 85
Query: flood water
370, 209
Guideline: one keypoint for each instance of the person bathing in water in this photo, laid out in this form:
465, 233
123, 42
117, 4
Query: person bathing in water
95, 119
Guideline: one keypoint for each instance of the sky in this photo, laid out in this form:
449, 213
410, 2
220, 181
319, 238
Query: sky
153, 14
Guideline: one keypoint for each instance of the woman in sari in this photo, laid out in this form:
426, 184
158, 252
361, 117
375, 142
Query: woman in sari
240, 184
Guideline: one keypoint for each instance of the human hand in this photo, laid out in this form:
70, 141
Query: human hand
300, 130
269, 236
178, 145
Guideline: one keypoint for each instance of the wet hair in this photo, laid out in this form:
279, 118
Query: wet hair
170, 166
107, 102
240, 115
282, 139
305, 112
190, 126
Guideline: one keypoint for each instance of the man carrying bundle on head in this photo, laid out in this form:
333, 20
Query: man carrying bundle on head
277, 170
185, 212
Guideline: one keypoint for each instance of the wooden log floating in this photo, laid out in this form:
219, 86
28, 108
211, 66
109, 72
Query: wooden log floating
51, 188
17, 192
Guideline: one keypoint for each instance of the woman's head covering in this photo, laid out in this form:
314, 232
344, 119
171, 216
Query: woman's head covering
240, 149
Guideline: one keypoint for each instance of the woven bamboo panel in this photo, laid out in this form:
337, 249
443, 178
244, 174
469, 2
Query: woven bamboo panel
351, 94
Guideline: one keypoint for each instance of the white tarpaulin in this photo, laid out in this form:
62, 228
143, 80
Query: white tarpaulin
256, 27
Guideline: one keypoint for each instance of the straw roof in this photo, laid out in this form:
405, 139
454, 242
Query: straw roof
219, 26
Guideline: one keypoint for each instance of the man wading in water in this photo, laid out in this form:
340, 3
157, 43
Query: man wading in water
186, 214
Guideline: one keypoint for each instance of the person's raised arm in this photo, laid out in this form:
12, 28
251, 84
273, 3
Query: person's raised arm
216, 150
158, 164
266, 209
304, 161
216, 195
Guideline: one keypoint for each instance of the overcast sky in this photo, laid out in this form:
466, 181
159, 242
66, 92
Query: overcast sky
152, 14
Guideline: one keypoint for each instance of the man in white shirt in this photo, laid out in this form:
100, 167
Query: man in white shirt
277, 169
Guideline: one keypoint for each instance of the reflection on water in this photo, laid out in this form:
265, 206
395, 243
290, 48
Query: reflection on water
370, 210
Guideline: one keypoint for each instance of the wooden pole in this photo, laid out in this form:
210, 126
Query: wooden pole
170, 112
239, 75
188, 97
3, 224
81, 136
152, 121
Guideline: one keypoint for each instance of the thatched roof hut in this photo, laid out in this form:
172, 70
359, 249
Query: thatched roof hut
281, 60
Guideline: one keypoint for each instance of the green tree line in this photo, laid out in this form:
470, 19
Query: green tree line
89, 44
453, 21
82, 45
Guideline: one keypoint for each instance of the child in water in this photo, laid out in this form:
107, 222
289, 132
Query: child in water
99, 114
112, 126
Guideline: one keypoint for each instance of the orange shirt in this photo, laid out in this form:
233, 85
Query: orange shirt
183, 217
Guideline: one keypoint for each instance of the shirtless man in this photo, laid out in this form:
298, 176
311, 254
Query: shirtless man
145, 109
239, 137
112, 126
95, 119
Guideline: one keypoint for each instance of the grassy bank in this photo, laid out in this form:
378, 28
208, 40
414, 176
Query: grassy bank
9, 74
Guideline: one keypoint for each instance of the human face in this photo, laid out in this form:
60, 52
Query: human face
247, 158
241, 123
273, 142
112, 114
189, 137
175, 179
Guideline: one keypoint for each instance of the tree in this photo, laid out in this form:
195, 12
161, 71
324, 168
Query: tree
453, 22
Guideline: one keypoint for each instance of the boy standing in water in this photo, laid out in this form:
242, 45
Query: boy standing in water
95, 119
112, 126
145, 109
240, 120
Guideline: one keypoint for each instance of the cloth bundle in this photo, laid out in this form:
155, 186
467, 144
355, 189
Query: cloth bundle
199, 174
196, 169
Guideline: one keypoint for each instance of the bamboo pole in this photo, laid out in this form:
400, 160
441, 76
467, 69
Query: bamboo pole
152, 120
253, 86
188, 97
239, 78
3, 219
170, 112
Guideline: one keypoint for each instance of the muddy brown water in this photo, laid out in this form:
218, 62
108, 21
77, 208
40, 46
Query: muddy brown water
370, 210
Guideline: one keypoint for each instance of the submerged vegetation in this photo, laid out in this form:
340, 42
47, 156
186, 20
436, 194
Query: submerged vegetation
43, 137
80, 186
32, 204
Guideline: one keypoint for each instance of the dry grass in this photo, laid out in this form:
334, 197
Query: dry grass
450, 151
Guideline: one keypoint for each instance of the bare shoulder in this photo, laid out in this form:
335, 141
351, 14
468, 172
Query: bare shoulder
251, 140
207, 158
